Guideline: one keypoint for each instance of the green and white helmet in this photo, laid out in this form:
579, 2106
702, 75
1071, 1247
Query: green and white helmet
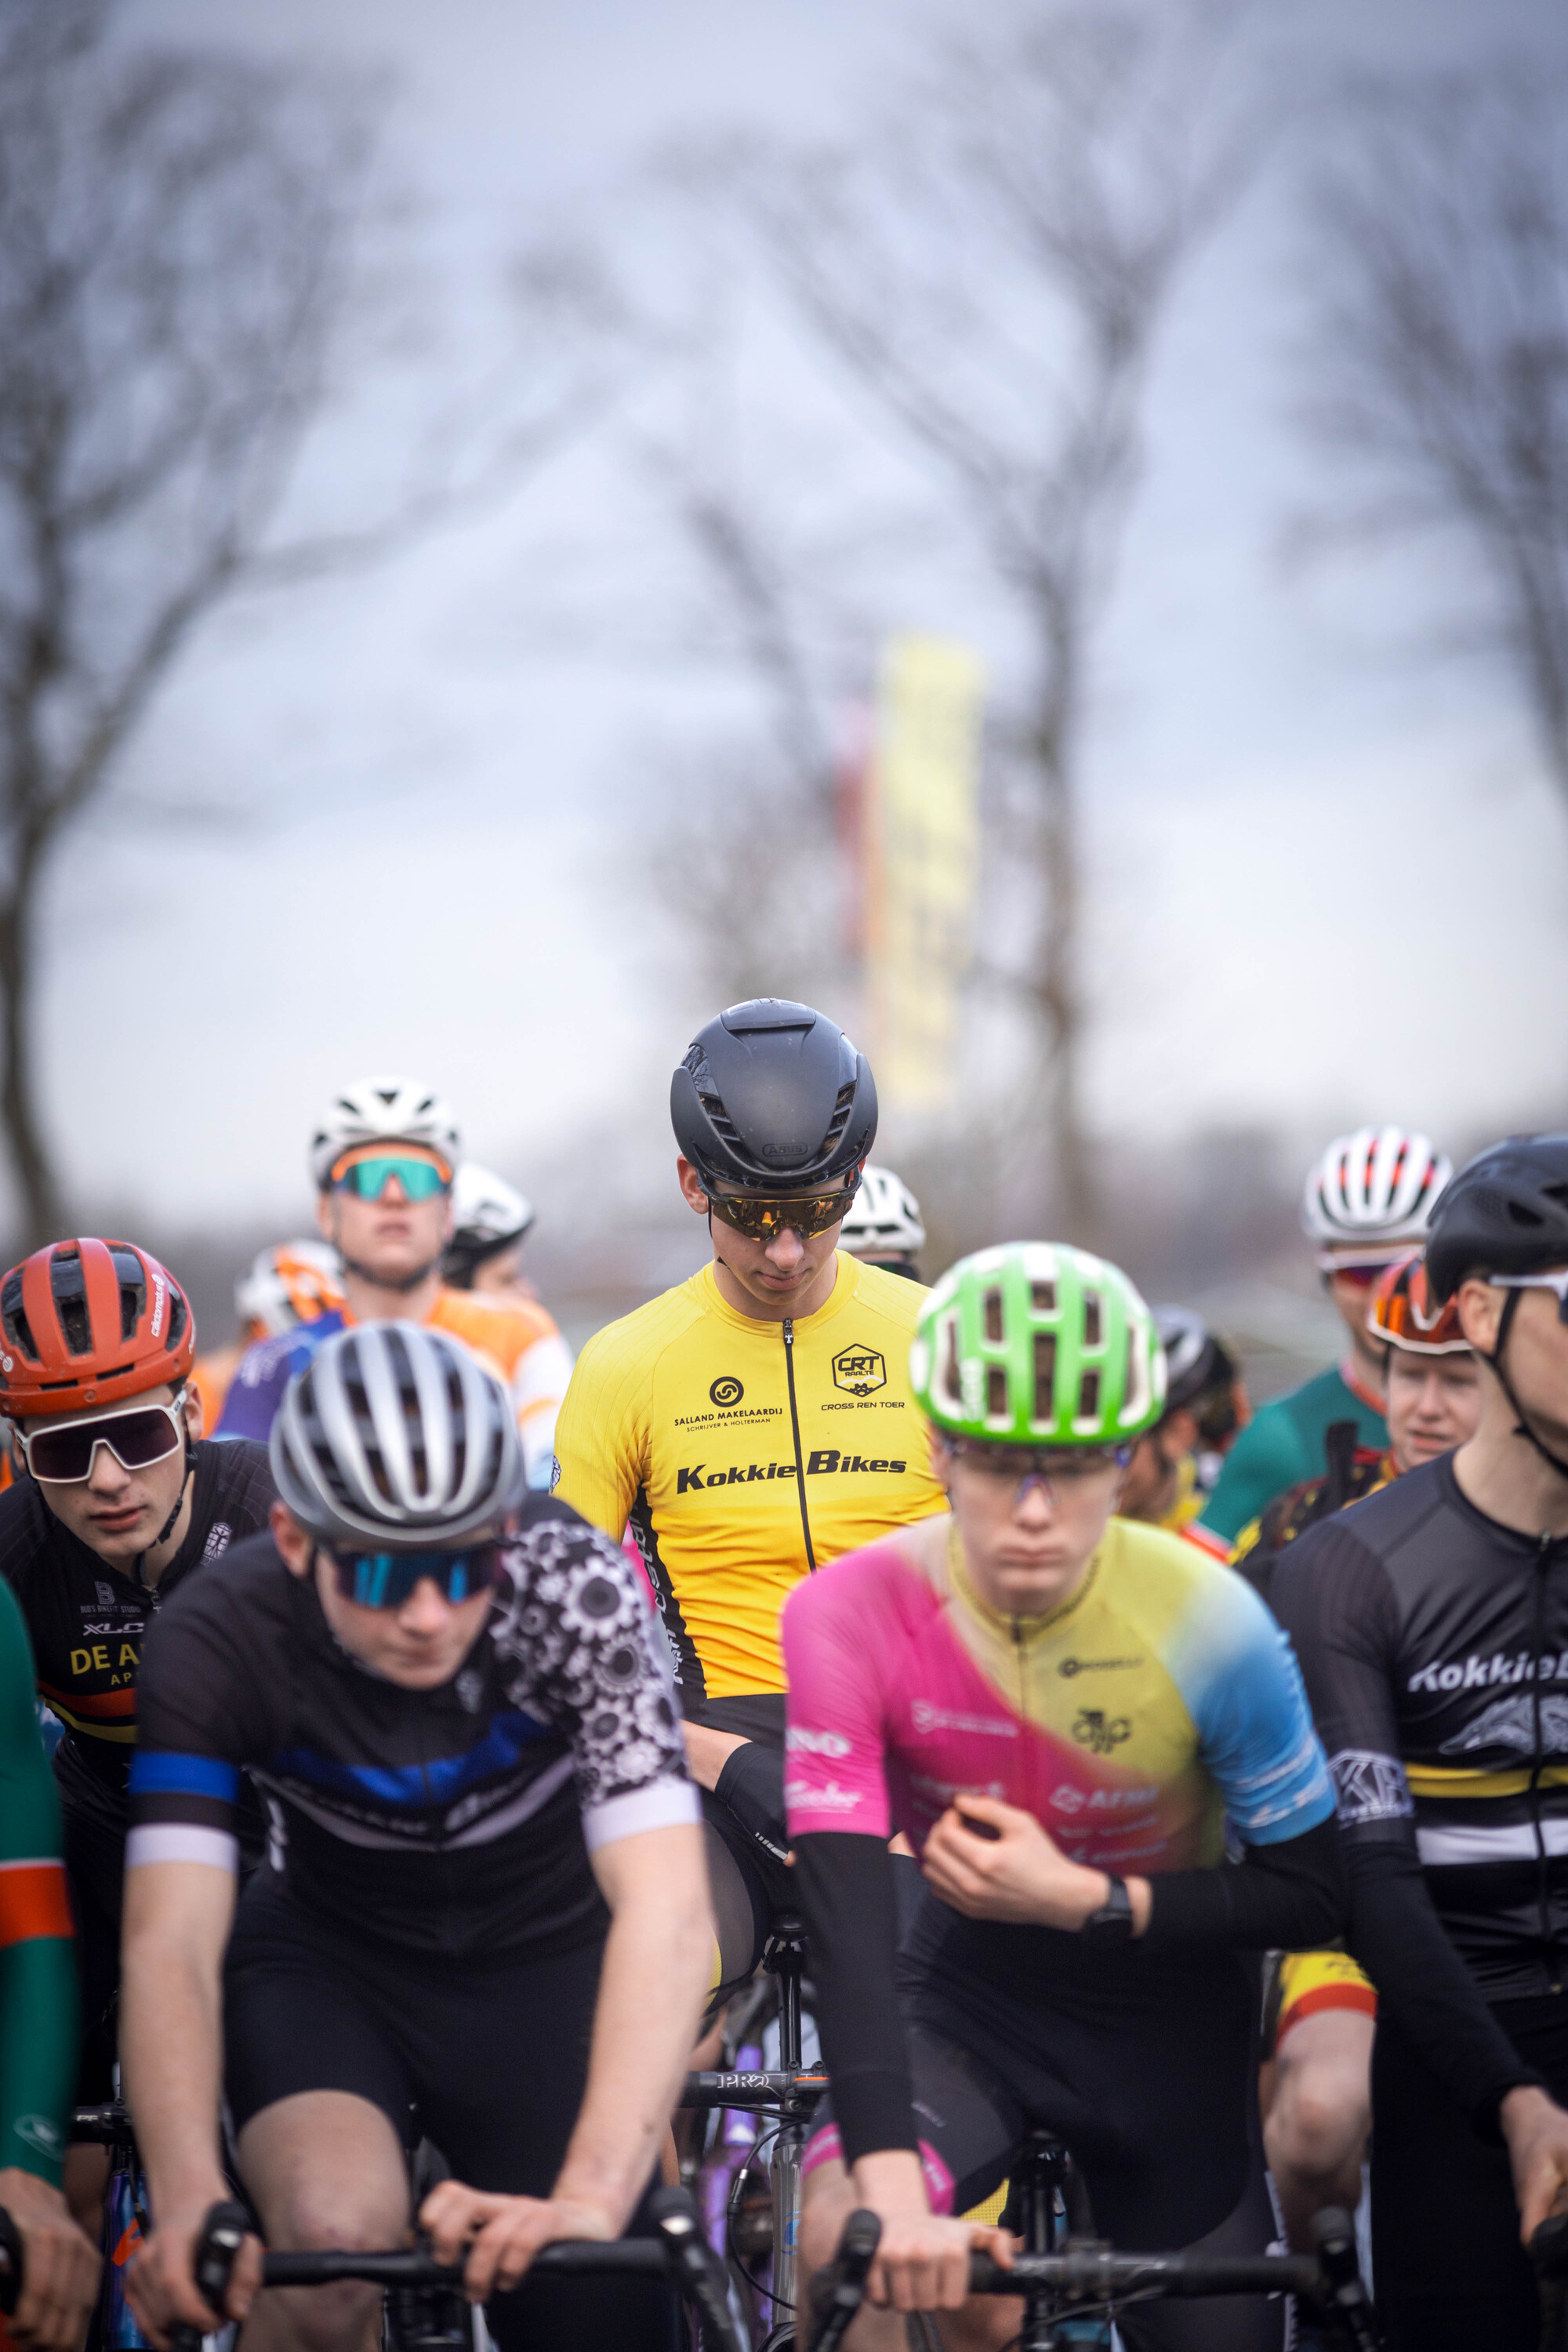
1038, 1344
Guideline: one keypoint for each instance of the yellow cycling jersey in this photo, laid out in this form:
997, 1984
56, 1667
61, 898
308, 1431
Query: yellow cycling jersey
744, 1454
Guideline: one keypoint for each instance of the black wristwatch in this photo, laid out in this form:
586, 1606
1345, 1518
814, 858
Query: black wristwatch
1112, 1923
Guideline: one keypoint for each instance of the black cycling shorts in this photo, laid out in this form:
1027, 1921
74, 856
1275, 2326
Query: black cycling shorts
488, 2059
1448, 2271
1148, 2074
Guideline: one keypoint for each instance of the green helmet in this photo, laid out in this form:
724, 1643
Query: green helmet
1038, 1344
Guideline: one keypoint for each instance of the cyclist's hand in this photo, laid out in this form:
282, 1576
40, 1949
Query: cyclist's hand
922, 2258
1536, 2130
60, 2264
161, 2286
502, 2235
992, 1860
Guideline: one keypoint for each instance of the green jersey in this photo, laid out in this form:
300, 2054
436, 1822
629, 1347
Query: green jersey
37, 1968
1283, 1446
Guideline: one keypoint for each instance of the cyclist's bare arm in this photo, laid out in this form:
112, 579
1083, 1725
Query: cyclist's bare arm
177, 1918
651, 1992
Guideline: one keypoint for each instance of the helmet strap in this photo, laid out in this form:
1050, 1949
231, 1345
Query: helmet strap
399, 1283
167, 1530
1521, 1427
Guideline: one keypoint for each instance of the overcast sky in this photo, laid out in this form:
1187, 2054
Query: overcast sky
1327, 879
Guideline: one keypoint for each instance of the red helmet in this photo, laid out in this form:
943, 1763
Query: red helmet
89, 1322
1402, 1313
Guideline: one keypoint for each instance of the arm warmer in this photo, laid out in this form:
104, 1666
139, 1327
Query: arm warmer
846, 1897
37, 1961
1425, 1986
1291, 1897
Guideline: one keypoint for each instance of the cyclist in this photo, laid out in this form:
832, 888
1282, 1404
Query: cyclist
1206, 1405
491, 1222
1366, 1204
1061, 1709
283, 1286
121, 1502
384, 1158
882, 1224
38, 2018
756, 1421
1432, 1626
1323, 2007
484, 1916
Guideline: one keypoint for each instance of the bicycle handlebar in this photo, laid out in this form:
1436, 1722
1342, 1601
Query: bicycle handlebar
1088, 2273
679, 2253
1091, 2275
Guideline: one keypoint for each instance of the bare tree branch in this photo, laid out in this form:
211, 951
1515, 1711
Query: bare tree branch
1442, 345
180, 241
989, 267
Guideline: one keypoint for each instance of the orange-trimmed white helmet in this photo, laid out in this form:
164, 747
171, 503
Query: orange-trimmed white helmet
383, 1110
282, 1288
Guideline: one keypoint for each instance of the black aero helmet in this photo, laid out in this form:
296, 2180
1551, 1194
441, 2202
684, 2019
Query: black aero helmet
1507, 1213
774, 1096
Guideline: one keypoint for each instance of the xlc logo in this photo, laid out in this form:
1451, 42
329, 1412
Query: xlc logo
726, 1391
1102, 1734
860, 1370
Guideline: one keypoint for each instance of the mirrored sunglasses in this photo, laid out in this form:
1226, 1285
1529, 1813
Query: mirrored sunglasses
763, 1221
386, 1580
140, 1435
368, 1179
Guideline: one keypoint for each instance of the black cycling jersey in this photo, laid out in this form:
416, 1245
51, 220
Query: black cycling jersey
449, 1821
1433, 1642
87, 1619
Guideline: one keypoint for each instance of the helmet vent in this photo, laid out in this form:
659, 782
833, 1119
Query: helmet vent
1044, 1296
69, 1286
132, 1289
951, 1379
1089, 1396
14, 1322
1091, 1322
1045, 1369
996, 1392
724, 1125
994, 1330
840, 1120
1519, 1214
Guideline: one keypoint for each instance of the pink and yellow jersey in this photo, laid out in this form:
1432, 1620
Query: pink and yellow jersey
1133, 1721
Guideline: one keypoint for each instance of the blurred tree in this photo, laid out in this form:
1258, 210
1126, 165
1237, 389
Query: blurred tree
1440, 350
990, 264
177, 251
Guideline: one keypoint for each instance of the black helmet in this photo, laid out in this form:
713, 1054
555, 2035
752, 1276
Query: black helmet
774, 1096
1507, 1213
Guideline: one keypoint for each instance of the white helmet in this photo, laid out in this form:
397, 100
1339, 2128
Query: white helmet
394, 1437
884, 1218
288, 1286
1372, 1194
488, 1214
381, 1110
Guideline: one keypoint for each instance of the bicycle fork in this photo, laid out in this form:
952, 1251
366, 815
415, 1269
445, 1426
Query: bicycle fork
784, 1959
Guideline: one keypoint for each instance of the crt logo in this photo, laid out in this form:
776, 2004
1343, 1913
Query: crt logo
860, 1370
725, 1391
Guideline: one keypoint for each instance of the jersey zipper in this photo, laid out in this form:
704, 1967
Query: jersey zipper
799, 1457
1537, 1766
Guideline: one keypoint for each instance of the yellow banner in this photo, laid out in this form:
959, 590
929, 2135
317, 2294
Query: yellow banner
921, 852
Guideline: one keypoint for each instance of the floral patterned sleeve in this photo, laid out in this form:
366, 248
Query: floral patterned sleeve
581, 1650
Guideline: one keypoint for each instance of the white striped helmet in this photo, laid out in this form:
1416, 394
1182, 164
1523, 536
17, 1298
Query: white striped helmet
395, 1438
1372, 1194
